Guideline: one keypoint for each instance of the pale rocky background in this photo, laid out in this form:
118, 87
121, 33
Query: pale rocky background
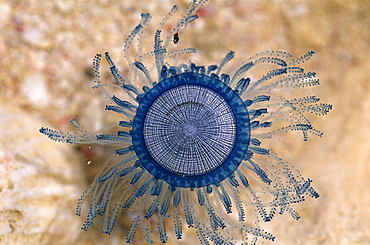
46, 50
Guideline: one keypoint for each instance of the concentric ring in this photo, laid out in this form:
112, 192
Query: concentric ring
191, 130
185, 126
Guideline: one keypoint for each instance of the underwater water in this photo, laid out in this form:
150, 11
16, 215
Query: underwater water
220, 52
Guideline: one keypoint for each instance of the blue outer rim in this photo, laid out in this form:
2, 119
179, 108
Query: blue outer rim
230, 164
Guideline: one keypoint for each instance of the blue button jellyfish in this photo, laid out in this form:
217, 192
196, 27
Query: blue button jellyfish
190, 144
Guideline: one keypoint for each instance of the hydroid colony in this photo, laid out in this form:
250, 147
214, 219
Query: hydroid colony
190, 144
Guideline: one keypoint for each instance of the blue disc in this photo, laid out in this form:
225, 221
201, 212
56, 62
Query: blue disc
191, 130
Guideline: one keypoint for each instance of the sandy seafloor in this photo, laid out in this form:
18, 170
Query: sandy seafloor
46, 52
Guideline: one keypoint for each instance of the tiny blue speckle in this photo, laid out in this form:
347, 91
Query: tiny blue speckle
190, 146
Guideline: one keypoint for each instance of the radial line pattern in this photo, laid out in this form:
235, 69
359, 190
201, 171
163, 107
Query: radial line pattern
187, 124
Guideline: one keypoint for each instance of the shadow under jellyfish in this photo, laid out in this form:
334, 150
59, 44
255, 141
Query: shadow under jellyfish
191, 147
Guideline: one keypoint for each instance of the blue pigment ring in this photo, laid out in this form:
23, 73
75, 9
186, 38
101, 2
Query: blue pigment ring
191, 130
